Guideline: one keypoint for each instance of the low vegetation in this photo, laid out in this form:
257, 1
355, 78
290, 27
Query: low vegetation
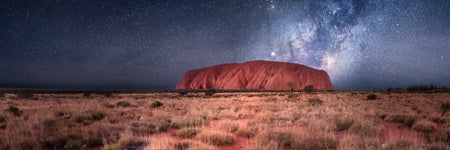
217, 120
216, 138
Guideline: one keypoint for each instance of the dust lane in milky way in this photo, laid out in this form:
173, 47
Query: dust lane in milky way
150, 44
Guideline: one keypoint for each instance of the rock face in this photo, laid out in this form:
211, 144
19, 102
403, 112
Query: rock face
265, 75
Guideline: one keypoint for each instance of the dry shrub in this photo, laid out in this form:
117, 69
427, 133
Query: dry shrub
165, 142
409, 120
123, 104
228, 126
357, 143
82, 117
371, 97
143, 128
343, 124
313, 139
132, 142
14, 110
198, 122
424, 126
245, 132
163, 127
438, 146
186, 133
156, 104
215, 138
365, 129
315, 101
399, 144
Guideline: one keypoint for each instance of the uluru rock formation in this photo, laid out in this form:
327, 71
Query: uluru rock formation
266, 75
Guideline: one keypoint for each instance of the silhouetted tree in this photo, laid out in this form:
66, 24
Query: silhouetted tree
291, 85
309, 88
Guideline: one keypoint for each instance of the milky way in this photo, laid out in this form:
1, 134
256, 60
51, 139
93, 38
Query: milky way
150, 44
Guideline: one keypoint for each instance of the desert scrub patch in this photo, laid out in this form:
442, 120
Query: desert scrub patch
123, 104
245, 132
438, 119
424, 126
63, 114
356, 142
97, 115
215, 138
411, 120
438, 146
156, 104
397, 118
228, 126
113, 119
343, 123
142, 128
163, 127
210, 92
81, 117
73, 145
365, 130
315, 101
186, 133
371, 97
442, 135
14, 110
86, 122
295, 140
198, 122
132, 143
401, 144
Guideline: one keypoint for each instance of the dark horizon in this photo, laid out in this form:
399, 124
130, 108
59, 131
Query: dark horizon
362, 45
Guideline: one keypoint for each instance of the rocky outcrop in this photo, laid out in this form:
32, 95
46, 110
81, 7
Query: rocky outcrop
265, 75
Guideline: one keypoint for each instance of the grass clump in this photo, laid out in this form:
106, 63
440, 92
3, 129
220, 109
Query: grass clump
356, 142
228, 126
186, 133
82, 117
365, 130
132, 143
397, 118
191, 123
411, 120
123, 104
113, 119
216, 138
156, 104
73, 145
14, 110
245, 132
371, 97
295, 140
445, 107
401, 144
87, 122
424, 126
163, 127
343, 124
139, 128
98, 115
315, 101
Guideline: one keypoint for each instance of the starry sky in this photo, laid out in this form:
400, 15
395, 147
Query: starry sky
133, 44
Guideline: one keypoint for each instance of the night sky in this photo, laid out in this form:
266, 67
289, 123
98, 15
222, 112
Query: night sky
95, 44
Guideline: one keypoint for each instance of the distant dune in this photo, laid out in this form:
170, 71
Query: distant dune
267, 75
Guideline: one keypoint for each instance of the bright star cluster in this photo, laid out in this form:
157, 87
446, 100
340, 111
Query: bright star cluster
369, 44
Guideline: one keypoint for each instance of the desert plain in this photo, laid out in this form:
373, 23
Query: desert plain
180, 120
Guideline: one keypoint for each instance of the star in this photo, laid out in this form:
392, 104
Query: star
272, 54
